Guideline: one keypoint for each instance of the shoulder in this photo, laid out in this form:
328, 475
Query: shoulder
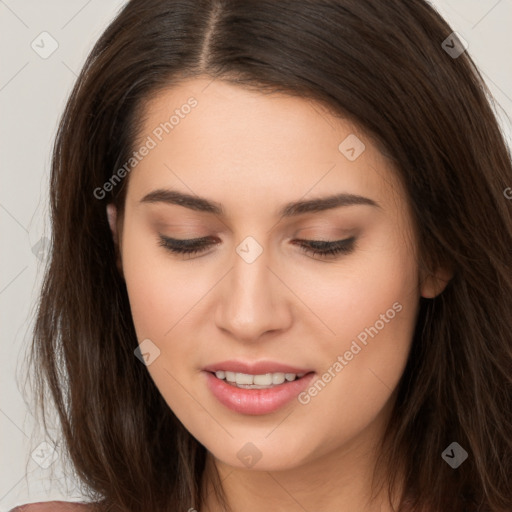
54, 506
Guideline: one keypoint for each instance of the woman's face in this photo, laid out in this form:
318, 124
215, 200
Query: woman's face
253, 301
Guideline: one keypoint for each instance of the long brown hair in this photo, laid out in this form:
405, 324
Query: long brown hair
379, 63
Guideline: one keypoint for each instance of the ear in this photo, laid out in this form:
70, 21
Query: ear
114, 222
433, 284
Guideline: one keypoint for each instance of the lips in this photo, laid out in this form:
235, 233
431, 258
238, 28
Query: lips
255, 368
256, 401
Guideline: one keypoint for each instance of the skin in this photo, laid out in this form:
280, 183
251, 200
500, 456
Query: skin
253, 153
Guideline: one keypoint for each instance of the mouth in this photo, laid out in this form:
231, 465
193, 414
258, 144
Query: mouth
258, 388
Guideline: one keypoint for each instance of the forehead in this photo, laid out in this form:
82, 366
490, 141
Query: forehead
214, 138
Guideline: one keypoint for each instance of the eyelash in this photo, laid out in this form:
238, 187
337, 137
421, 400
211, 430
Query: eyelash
322, 248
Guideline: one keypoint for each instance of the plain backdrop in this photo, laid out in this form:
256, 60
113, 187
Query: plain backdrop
33, 90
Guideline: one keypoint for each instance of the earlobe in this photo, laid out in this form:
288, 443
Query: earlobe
434, 284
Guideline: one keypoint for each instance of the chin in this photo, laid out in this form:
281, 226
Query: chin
255, 453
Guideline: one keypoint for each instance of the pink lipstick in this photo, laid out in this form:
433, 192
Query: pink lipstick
256, 388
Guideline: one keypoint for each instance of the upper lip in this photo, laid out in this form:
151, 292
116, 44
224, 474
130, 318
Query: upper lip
255, 368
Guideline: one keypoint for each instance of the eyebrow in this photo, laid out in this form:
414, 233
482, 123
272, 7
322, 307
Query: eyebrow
292, 209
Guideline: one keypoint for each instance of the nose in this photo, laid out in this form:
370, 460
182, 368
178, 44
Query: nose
253, 300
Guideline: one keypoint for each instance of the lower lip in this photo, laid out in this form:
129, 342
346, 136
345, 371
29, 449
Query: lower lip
256, 401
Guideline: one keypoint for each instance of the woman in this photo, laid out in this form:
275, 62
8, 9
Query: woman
281, 273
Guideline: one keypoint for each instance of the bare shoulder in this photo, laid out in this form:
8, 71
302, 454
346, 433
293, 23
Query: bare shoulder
54, 506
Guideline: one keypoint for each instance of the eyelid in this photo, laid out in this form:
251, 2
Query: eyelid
325, 248
186, 242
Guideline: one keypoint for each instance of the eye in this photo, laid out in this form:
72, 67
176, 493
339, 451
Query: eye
322, 248
190, 247
327, 249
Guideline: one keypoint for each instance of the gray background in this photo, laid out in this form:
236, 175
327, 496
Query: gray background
33, 91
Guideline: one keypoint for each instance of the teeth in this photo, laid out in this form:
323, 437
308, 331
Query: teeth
277, 378
246, 380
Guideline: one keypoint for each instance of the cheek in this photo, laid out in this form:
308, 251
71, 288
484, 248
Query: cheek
162, 294
356, 384
373, 312
160, 290
350, 296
